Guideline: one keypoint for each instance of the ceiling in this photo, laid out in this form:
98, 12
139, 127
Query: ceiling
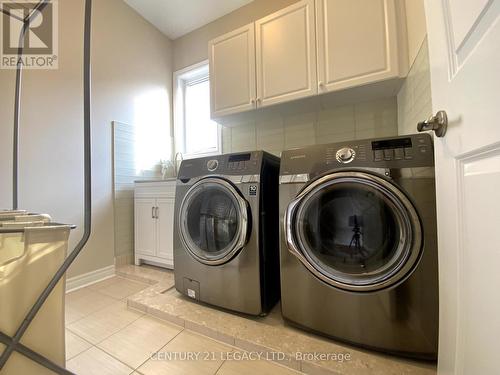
175, 18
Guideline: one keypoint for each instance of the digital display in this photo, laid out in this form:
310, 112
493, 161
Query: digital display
239, 157
391, 143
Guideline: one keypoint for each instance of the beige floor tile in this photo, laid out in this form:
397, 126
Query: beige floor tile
75, 345
72, 315
135, 344
75, 294
210, 355
95, 362
251, 367
86, 301
120, 287
103, 283
104, 323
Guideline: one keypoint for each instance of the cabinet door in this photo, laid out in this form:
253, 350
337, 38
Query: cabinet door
165, 229
286, 54
357, 42
145, 226
232, 72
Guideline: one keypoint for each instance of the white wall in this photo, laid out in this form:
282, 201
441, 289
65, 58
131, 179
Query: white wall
7, 85
130, 60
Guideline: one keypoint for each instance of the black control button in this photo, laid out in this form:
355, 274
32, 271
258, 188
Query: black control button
399, 154
422, 149
388, 154
408, 153
378, 155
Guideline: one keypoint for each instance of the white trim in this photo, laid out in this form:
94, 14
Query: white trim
154, 260
191, 71
89, 278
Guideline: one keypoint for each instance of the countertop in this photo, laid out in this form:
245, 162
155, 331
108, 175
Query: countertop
157, 180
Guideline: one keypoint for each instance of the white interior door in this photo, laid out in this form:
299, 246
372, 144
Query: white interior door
464, 47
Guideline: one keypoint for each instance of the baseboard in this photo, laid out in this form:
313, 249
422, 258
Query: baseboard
89, 278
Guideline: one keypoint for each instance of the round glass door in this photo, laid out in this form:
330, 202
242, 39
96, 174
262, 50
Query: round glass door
213, 221
355, 231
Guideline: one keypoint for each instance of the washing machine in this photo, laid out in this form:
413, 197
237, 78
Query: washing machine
226, 231
358, 248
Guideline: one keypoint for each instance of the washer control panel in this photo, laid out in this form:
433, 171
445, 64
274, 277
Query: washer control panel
241, 162
242, 167
232, 164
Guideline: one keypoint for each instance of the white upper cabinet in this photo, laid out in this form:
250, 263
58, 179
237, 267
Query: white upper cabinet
232, 72
286, 54
309, 48
357, 42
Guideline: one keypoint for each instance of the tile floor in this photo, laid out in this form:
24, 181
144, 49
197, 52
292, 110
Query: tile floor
268, 334
103, 337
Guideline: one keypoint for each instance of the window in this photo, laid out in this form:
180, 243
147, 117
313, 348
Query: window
195, 133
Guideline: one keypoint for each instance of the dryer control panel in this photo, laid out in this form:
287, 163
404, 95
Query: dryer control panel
410, 151
406, 148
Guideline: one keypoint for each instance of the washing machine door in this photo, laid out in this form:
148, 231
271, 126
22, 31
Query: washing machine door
214, 221
354, 231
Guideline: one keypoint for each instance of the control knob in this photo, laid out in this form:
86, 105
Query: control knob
212, 165
345, 155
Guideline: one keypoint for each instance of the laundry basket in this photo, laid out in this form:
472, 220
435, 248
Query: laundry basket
30, 255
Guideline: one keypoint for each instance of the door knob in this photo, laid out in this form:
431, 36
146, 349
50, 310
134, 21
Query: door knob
438, 123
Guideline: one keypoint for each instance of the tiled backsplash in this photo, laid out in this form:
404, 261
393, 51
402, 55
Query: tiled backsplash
378, 118
124, 175
414, 97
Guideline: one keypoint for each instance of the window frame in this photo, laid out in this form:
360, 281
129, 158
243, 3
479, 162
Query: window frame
181, 78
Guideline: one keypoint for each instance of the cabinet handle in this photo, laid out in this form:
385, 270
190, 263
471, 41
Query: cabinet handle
252, 101
157, 212
321, 84
153, 213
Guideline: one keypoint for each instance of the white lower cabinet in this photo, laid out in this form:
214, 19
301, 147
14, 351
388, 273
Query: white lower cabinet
154, 222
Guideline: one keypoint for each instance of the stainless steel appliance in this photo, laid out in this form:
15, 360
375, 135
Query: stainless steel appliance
358, 243
226, 240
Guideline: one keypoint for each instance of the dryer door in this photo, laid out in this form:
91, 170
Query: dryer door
214, 221
354, 231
